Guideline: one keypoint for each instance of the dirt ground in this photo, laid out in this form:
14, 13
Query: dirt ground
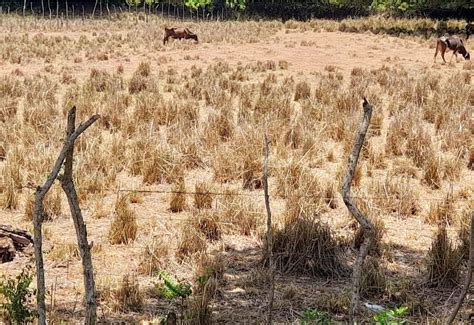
241, 300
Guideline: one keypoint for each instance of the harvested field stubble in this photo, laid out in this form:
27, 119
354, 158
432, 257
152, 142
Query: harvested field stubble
181, 132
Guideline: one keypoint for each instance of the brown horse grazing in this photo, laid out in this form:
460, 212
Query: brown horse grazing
452, 43
179, 33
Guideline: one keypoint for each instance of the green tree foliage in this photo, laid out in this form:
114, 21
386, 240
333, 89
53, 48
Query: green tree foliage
195, 4
16, 293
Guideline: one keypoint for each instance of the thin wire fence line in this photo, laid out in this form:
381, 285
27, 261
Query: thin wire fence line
259, 194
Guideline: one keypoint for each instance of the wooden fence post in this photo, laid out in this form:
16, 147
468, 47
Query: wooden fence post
41, 192
271, 267
467, 284
67, 184
356, 213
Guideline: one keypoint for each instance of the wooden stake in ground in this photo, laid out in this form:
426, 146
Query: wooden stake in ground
41, 192
467, 284
81, 231
356, 213
269, 235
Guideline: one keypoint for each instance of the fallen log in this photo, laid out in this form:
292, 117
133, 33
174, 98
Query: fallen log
11, 241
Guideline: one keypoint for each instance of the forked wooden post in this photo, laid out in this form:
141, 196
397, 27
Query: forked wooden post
354, 210
467, 284
67, 184
39, 213
269, 235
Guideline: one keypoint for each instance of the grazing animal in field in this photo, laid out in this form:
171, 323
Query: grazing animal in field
469, 29
179, 33
452, 43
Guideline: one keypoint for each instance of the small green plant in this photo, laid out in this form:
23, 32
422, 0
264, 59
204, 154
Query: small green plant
171, 289
312, 316
391, 317
16, 293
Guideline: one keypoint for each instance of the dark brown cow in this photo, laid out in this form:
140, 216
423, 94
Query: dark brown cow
179, 33
452, 43
469, 30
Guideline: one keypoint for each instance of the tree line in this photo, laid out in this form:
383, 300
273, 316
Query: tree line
280, 9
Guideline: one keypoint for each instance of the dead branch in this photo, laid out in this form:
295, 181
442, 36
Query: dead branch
354, 210
67, 184
39, 213
269, 235
21, 238
467, 284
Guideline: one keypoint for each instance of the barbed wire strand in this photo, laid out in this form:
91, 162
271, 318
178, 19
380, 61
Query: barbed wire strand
254, 194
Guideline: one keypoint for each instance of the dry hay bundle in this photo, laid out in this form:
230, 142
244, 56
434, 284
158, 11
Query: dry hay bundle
306, 246
443, 261
373, 278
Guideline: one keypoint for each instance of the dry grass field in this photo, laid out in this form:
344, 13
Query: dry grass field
191, 118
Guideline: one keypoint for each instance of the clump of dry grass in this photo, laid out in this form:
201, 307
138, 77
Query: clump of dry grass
156, 162
202, 195
464, 235
433, 171
208, 267
302, 90
178, 197
330, 195
207, 223
224, 166
124, 227
128, 296
407, 136
252, 170
199, 309
442, 261
191, 242
64, 252
218, 129
395, 195
452, 168
144, 69
141, 79
238, 215
442, 213
306, 246
152, 256
10, 199
100, 211
470, 163
373, 280
135, 197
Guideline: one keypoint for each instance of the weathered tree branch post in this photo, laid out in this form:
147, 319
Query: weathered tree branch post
364, 222
269, 235
67, 184
467, 284
93, 10
41, 192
